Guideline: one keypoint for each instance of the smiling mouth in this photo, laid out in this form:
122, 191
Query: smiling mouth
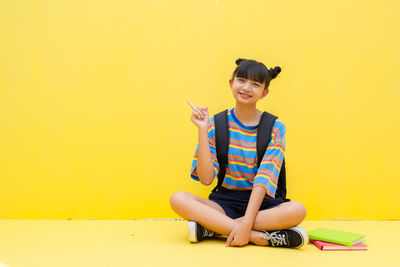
244, 95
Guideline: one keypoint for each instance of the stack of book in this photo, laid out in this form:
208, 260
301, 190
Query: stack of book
329, 239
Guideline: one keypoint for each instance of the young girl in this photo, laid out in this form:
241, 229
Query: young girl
244, 208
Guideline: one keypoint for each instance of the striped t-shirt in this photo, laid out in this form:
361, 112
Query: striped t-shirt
242, 172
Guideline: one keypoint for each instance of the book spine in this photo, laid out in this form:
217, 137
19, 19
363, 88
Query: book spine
330, 240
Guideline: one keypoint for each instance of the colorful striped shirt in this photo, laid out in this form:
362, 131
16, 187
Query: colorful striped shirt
242, 172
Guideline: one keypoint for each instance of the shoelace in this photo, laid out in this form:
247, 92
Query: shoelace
208, 233
276, 239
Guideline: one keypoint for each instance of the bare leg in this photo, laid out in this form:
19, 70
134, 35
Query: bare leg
209, 214
284, 216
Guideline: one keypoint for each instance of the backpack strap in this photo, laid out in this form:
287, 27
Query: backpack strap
221, 144
264, 131
281, 187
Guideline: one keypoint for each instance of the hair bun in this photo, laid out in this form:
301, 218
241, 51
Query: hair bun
274, 72
239, 60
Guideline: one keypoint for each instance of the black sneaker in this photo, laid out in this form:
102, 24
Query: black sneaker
294, 237
198, 232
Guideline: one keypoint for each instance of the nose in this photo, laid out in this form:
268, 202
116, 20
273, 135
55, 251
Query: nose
246, 86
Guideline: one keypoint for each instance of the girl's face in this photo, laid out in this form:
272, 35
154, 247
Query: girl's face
247, 91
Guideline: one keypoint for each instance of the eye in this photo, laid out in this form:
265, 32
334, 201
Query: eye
256, 84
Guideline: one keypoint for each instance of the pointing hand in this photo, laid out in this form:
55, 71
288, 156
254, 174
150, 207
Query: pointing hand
199, 115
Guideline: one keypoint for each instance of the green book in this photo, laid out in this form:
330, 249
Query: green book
336, 236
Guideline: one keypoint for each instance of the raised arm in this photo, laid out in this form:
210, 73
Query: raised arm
205, 168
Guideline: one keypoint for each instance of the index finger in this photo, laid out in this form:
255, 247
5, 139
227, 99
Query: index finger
230, 239
191, 105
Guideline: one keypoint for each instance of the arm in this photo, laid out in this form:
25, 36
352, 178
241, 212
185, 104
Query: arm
205, 168
204, 165
241, 233
256, 198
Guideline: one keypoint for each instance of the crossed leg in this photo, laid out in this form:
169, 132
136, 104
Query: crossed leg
211, 215
286, 215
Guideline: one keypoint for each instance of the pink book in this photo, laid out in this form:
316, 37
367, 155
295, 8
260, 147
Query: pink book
332, 246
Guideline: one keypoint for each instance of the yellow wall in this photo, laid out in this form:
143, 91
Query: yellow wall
91, 91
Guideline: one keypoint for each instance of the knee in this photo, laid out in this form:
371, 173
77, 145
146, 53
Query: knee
177, 199
297, 212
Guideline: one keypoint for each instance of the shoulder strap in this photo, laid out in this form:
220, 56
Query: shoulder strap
264, 131
221, 144
281, 187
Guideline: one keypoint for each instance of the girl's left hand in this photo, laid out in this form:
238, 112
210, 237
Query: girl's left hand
239, 236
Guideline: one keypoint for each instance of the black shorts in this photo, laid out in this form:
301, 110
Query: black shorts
234, 202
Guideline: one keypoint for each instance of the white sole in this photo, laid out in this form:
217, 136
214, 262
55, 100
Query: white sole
302, 233
192, 228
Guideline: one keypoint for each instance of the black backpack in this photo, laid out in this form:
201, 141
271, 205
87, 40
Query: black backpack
263, 138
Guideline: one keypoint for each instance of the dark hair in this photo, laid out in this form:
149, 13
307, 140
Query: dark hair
256, 71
